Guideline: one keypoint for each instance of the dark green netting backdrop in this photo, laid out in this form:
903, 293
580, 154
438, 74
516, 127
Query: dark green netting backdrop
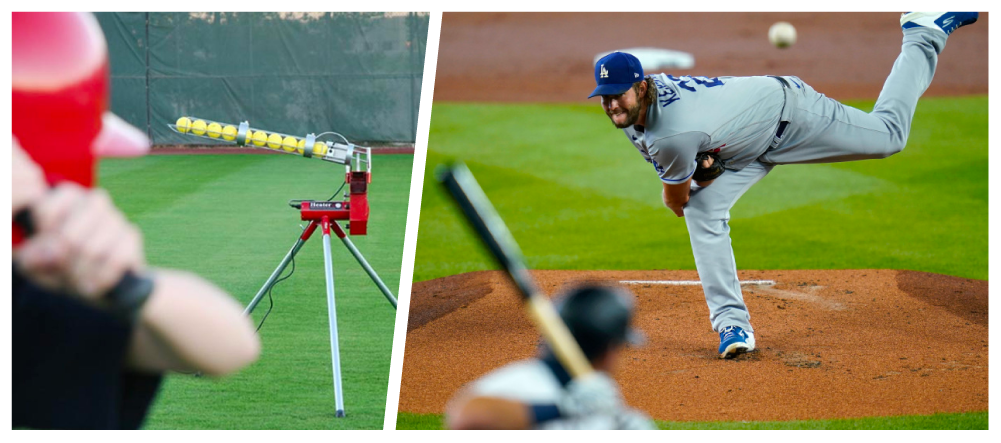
355, 73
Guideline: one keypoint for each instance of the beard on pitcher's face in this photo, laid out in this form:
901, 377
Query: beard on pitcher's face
623, 109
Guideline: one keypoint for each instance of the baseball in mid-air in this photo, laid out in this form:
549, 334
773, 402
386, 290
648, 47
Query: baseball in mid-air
782, 34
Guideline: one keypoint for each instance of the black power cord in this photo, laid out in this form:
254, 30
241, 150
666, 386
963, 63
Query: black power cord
271, 301
338, 191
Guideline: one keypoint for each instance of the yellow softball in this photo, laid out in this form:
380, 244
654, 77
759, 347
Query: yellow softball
289, 143
260, 138
274, 141
214, 130
198, 127
319, 148
229, 133
183, 125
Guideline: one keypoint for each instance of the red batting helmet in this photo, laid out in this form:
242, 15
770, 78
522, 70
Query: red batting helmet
59, 99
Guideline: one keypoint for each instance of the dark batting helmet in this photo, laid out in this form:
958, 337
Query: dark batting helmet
599, 317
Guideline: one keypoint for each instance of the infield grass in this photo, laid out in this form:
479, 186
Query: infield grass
227, 218
576, 195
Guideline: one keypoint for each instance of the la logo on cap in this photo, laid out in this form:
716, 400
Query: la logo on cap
615, 73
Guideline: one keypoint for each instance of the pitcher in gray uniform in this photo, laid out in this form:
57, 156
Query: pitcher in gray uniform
748, 125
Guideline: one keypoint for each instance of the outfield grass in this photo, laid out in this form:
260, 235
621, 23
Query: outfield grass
972, 420
577, 195
227, 218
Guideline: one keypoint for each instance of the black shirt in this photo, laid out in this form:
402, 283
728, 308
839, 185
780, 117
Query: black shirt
68, 365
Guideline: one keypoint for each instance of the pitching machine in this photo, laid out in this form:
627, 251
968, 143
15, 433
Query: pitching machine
353, 208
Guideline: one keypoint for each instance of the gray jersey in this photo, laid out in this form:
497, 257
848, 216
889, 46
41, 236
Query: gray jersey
533, 382
735, 117
819, 130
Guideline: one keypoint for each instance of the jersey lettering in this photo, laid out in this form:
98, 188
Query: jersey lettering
643, 153
658, 167
649, 159
665, 94
683, 81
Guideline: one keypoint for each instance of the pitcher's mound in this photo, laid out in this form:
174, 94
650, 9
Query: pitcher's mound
831, 344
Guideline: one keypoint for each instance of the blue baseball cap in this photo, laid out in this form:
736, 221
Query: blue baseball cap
615, 73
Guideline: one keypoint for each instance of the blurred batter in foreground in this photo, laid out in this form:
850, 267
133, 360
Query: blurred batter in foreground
87, 354
539, 394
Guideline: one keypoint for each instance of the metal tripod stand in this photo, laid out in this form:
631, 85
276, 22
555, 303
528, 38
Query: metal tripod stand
323, 214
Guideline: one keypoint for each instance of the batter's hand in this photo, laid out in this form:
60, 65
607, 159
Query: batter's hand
83, 245
29, 181
631, 419
594, 394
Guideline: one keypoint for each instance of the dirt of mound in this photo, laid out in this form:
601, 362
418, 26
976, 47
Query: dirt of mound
831, 344
548, 57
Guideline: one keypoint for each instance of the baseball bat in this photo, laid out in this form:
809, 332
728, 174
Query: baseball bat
480, 213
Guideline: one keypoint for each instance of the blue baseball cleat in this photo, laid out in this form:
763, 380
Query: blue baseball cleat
733, 341
942, 21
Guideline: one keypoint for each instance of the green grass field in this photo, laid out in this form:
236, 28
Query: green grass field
226, 217
972, 420
577, 195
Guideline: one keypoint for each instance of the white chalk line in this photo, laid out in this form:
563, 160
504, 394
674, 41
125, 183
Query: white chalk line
689, 282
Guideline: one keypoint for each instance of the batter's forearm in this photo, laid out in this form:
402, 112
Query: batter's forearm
490, 413
189, 324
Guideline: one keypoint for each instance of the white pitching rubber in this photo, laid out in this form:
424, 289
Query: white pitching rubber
689, 282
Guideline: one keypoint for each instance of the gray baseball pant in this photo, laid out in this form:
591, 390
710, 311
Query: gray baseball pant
820, 130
